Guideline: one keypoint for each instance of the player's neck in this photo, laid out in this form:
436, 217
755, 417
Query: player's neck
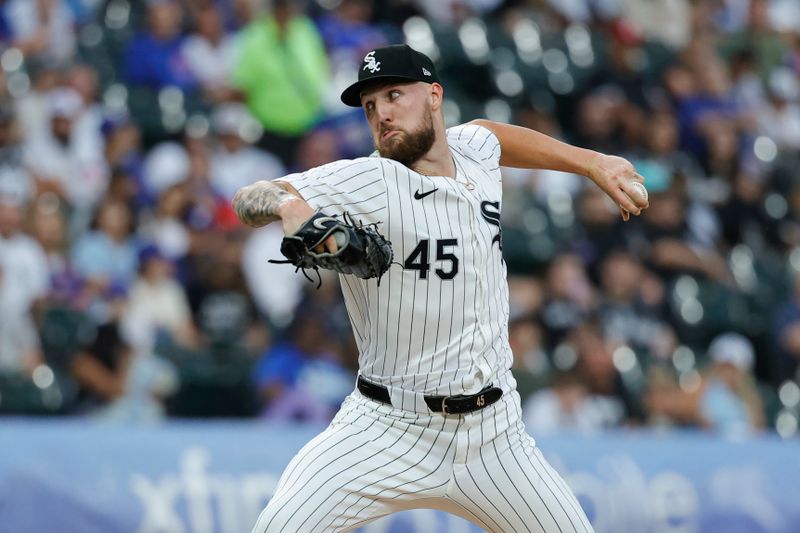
437, 162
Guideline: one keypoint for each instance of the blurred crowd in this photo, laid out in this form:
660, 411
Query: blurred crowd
130, 292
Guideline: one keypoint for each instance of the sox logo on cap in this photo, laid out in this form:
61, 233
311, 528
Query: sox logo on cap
371, 64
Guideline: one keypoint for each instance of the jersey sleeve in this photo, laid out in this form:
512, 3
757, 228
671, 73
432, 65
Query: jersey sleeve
357, 187
478, 141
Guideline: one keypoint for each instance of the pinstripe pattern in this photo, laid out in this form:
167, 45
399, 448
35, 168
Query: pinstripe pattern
374, 460
432, 335
425, 334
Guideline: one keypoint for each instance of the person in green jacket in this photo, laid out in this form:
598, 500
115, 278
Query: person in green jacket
282, 69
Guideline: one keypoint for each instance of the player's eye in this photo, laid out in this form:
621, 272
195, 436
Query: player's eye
394, 94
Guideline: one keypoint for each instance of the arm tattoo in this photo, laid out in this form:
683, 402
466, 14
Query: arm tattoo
257, 204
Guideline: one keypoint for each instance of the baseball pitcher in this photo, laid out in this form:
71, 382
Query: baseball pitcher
414, 230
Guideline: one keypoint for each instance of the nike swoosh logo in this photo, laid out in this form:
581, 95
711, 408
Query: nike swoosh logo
420, 195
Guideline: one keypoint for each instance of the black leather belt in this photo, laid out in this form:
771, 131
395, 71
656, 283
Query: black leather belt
458, 404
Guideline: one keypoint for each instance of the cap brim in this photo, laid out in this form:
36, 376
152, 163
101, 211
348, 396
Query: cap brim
352, 95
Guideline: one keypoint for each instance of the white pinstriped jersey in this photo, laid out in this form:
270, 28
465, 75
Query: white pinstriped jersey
438, 321
437, 324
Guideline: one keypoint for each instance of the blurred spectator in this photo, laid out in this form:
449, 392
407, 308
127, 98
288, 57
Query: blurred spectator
101, 365
32, 107
661, 158
302, 378
234, 162
525, 294
166, 164
209, 209
626, 70
239, 13
748, 87
123, 147
49, 227
158, 308
116, 383
210, 53
570, 298
392, 13
786, 232
779, 119
455, 11
730, 401
14, 178
709, 116
165, 226
10, 138
596, 368
41, 29
743, 216
155, 57
20, 352
22, 260
83, 79
283, 71
723, 399
327, 300
598, 119
785, 337
276, 289
600, 229
545, 183
65, 160
666, 403
106, 256
672, 248
348, 33
793, 54
665, 21
531, 366
223, 309
759, 36
318, 147
629, 312
568, 406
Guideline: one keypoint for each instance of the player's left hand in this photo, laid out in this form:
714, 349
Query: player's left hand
614, 175
359, 249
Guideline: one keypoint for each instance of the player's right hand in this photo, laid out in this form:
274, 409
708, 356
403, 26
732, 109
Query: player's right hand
614, 174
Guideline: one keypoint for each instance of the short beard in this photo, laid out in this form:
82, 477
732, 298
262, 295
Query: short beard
408, 147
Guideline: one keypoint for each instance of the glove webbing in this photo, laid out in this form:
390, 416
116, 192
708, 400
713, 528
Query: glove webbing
348, 219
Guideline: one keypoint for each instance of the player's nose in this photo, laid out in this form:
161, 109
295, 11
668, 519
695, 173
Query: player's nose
383, 110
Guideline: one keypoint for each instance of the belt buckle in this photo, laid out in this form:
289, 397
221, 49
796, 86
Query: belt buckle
444, 404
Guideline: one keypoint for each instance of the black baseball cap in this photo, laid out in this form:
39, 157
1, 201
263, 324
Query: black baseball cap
398, 61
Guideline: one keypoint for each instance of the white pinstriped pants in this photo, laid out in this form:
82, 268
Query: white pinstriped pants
374, 460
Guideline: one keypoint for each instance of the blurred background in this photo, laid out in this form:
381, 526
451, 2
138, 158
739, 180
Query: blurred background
136, 313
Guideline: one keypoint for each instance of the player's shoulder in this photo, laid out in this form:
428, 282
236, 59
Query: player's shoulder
354, 172
475, 142
345, 168
468, 133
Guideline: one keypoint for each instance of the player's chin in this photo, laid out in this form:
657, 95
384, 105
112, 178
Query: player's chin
388, 143
390, 150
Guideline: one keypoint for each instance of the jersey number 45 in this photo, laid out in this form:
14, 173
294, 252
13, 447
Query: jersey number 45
418, 258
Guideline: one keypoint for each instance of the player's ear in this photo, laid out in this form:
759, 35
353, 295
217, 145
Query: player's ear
437, 96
